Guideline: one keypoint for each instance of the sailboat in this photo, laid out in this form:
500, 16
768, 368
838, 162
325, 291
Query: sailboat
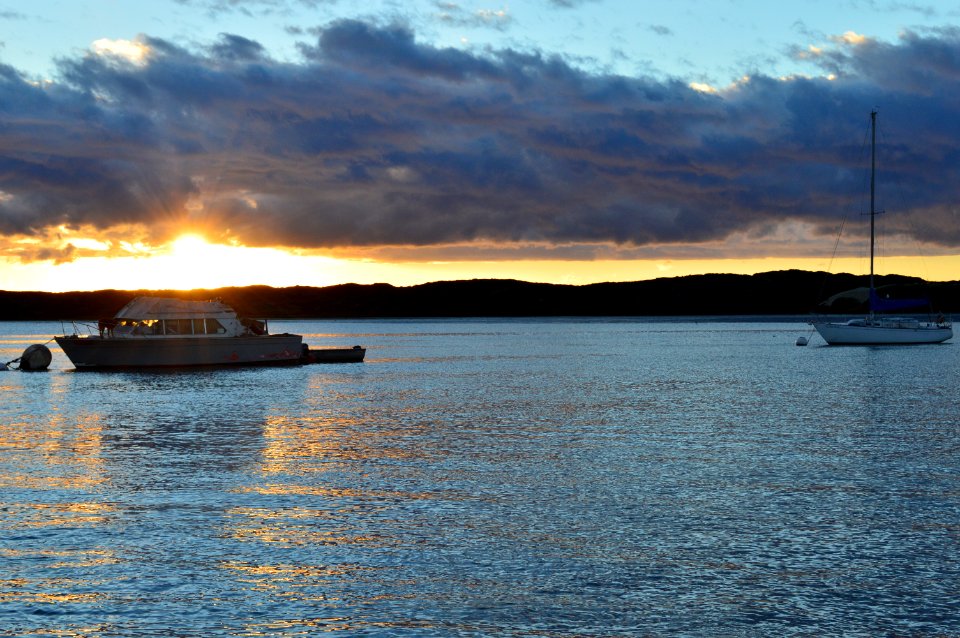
876, 329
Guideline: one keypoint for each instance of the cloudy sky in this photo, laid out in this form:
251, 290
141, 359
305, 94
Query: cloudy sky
179, 143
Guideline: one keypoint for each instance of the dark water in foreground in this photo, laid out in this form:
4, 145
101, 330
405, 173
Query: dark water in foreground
473, 478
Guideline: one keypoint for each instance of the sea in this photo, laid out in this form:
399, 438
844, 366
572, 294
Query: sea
489, 477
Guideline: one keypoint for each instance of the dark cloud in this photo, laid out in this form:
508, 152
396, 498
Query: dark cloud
235, 48
376, 138
391, 50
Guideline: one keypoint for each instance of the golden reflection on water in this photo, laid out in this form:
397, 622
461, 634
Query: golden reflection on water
305, 627
317, 584
33, 482
51, 591
33, 515
325, 443
333, 624
297, 442
301, 575
50, 455
69, 558
53, 452
297, 526
74, 632
278, 489
299, 582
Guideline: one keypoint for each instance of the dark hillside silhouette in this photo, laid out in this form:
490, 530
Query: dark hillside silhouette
790, 292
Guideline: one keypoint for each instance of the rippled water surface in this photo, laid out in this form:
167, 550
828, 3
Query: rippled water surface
473, 478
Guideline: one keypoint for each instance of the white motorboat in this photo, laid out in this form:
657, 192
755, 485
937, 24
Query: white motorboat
154, 332
877, 329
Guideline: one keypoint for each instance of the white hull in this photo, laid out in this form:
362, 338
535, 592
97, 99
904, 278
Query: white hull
152, 352
885, 332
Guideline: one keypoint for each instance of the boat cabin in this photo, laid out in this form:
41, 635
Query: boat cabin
166, 317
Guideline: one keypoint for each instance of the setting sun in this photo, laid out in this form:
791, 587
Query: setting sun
190, 261
190, 245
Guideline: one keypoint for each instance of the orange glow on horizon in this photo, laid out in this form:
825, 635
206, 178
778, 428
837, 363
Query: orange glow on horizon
191, 262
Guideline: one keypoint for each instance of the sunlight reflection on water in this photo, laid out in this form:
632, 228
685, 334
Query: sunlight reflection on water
559, 478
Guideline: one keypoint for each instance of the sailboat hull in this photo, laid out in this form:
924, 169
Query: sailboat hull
883, 332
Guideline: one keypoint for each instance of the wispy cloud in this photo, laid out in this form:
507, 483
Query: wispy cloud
375, 138
252, 7
452, 13
570, 4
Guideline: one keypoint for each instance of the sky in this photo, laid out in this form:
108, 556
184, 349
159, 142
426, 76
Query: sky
205, 143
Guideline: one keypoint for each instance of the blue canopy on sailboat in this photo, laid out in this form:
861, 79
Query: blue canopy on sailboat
880, 304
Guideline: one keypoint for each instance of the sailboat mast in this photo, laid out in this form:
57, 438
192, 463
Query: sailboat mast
873, 170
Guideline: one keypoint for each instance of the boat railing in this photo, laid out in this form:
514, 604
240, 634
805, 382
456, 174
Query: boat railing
939, 319
80, 328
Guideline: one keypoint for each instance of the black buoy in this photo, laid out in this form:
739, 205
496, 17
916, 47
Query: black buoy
35, 358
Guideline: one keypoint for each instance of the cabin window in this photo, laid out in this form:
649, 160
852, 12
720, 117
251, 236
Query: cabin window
143, 326
198, 327
214, 327
178, 327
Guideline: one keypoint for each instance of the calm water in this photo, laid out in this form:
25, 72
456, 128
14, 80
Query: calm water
474, 478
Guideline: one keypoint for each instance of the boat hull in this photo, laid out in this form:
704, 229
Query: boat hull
95, 352
842, 334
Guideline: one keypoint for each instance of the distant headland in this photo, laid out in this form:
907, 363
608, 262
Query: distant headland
787, 292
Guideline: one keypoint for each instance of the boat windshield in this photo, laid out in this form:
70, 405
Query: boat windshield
192, 327
136, 326
143, 327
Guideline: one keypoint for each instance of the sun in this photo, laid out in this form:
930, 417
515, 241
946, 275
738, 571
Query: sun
191, 247
193, 262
